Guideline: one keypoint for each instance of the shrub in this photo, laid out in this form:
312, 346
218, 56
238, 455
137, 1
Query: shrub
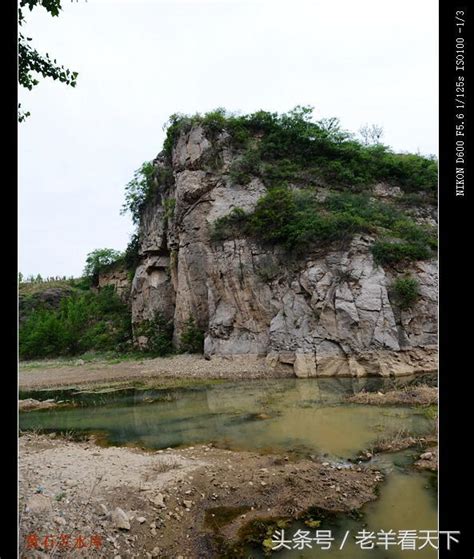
387, 252
131, 256
159, 334
86, 321
273, 214
406, 292
169, 205
247, 166
292, 149
412, 172
229, 225
296, 220
192, 338
322, 147
139, 190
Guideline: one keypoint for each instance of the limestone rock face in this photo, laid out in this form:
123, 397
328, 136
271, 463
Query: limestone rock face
327, 313
118, 278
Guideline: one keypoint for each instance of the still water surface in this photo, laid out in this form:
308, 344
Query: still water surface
308, 416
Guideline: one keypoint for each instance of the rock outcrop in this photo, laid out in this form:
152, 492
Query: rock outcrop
118, 277
45, 298
327, 313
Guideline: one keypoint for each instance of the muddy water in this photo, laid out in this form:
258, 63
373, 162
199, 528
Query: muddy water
284, 414
407, 501
309, 416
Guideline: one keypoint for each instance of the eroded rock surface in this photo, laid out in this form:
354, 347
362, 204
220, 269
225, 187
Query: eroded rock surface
118, 278
327, 313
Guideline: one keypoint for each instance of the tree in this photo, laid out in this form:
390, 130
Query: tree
332, 127
99, 259
371, 134
31, 62
138, 190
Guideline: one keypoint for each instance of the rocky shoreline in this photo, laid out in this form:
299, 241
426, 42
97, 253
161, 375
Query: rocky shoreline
171, 503
189, 367
198, 501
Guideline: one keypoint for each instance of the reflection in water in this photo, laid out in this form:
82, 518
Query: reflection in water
281, 414
286, 414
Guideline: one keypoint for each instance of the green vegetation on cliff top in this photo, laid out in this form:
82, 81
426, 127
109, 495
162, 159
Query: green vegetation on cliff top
291, 145
295, 157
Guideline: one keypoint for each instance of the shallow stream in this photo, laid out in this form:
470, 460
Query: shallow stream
309, 417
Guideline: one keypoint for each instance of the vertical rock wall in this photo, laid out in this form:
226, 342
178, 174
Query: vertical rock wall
327, 313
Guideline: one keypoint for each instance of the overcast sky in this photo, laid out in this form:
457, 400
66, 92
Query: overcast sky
140, 61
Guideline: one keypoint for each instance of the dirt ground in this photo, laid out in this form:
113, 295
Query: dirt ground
55, 374
187, 503
79, 499
428, 459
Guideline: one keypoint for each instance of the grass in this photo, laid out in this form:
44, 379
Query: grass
421, 395
399, 440
32, 288
431, 412
165, 465
91, 357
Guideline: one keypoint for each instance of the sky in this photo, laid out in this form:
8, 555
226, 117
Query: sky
141, 61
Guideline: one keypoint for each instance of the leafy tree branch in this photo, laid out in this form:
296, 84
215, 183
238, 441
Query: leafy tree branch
31, 63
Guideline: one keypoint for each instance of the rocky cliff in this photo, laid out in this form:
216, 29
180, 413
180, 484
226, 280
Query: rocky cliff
118, 277
327, 311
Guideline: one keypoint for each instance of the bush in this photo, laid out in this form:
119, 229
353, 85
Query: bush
296, 220
169, 205
387, 252
246, 167
411, 171
192, 338
230, 225
273, 214
131, 256
159, 334
320, 147
84, 322
406, 292
139, 190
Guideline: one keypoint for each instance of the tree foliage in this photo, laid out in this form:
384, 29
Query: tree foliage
158, 332
99, 259
192, 338
30, 62
85, 321
139, 190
